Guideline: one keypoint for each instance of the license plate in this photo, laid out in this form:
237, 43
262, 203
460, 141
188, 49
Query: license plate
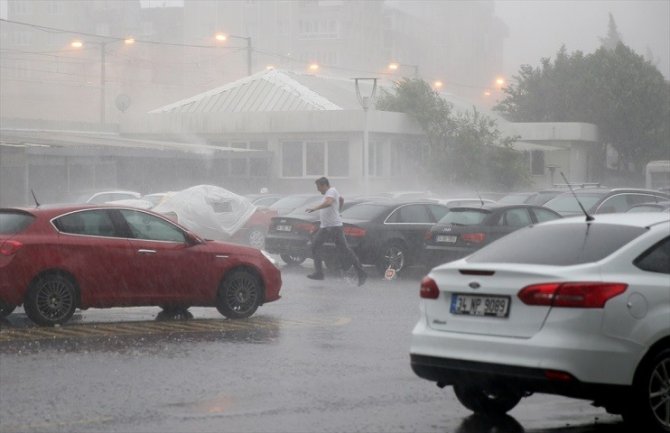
476, 305
446, 238
282, 228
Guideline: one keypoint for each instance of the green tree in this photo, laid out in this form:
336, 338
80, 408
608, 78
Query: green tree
463, 148
618, 90
613, 37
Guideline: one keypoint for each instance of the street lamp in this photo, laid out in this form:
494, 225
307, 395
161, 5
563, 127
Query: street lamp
78, 44
222, 37
366, 101
394, 66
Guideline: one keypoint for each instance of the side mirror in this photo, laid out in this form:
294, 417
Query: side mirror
192, 239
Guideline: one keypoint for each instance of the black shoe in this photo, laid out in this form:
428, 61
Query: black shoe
316, 276
362, 276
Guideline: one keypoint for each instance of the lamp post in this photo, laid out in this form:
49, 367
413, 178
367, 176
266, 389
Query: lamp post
222, 37
394, 66
365, 102
103, 69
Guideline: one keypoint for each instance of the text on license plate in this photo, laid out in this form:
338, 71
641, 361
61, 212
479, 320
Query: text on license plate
446, 238
477, 305
282, 228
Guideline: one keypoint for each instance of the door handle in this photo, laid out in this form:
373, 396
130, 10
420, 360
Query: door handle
146, 252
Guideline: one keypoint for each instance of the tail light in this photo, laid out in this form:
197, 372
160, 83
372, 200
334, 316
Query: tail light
572, 295
428, 235
475, 238
9, 248
354, 231
429, 289
305, 227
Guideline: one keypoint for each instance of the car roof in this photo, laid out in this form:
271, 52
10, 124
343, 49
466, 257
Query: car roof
497, 206
641, 219
53, 210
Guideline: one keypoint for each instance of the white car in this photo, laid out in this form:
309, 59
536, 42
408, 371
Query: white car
570, 307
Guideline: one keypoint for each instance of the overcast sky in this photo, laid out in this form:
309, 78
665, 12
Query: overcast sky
538, 28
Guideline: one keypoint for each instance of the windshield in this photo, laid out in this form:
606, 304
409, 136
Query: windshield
558, 244
465, 217
566, 203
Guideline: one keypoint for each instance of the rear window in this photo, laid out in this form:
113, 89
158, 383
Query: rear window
364, 211
568, 204
559, 245
464, 217
14, 222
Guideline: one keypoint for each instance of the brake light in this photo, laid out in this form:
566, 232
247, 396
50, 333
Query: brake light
475, 238
573, 295
558, 376
353, 231
305, 227
428, 235
429, 289
9, 248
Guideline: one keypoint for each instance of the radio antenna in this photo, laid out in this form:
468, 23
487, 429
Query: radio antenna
588, 217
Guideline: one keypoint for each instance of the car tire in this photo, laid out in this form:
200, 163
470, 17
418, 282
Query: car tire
256, 238
393, 255
292, 259
51, 300
491, 401
6, 309
649, 410
239, 294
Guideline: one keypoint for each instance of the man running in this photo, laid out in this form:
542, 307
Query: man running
331, 228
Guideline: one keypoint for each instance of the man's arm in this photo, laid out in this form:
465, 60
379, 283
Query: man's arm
341, 203
326, 202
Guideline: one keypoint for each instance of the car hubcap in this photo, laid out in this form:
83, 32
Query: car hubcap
394, 258
54, 300
241, 294
659, 392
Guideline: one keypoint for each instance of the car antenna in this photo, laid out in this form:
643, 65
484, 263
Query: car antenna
480, 197
37, 204
588, 217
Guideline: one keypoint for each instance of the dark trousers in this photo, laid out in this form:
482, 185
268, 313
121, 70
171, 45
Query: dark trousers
334, 234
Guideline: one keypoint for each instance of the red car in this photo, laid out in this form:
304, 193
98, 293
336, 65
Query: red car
56, 259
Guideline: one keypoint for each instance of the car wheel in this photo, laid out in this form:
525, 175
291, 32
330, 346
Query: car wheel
393, 256
492, 401
174, 313
292, 259
239, 294
257, 238
650, 408
6, 309
51, 300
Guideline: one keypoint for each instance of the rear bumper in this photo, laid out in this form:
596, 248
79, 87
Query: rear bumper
446, 371
277, 245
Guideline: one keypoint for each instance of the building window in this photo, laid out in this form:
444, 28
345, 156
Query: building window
21, 37
318, 29
315, 158
54, 8
19, 7
537, 162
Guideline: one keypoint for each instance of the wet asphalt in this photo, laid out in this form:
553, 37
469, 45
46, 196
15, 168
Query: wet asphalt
327, 357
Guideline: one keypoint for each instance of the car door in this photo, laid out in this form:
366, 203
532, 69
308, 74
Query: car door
93, 249
167, 267
409, 222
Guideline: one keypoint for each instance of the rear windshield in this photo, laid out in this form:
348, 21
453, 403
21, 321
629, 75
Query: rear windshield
291, 202
568, 203
559, 244
465, 217
363, 211
14, 222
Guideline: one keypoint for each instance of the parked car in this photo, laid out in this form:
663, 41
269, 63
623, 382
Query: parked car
100, 197
570, 307
292, 202
291, 235
387, 233
603, 200
216, 213
661, 206
517, 197
263, 199
56, 259
465, 229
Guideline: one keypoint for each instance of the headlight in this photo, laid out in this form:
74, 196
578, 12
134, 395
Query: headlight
270, 258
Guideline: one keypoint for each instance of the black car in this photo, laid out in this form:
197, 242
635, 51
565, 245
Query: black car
603, 200
465, 229
291, 235
297, 202
386, 233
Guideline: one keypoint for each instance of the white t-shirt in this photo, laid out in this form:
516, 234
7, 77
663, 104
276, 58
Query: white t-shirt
330, 216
